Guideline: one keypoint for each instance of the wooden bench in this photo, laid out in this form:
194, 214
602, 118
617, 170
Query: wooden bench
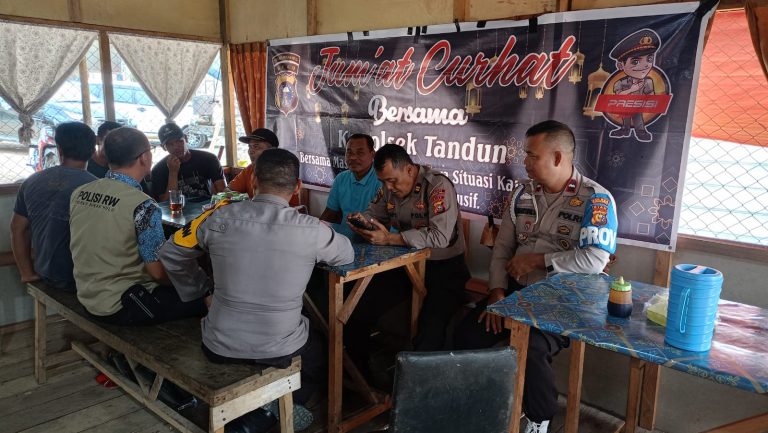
173, 351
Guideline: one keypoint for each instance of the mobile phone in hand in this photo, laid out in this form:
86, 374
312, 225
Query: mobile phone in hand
361, 224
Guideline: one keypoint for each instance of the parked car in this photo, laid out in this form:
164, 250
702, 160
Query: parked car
64, 107
133, 102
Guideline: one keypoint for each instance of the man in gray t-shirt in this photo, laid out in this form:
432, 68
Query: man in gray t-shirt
40, 220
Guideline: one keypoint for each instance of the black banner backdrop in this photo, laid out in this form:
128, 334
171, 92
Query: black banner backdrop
460, 101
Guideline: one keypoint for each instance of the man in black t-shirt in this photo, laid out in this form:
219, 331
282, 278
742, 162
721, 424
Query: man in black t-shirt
195, 172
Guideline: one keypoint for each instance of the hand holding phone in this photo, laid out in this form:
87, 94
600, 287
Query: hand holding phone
358, 221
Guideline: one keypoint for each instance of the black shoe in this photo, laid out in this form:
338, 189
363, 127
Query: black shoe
257, 421
118, 360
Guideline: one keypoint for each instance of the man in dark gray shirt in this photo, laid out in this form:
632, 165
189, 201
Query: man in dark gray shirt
40, 220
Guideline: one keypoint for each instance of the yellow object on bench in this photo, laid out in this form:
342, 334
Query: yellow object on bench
173, 351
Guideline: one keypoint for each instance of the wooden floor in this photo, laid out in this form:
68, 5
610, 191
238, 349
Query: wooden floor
72, 401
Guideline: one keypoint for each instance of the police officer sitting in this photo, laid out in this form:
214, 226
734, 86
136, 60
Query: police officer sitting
262, 254
560, 221
421, 205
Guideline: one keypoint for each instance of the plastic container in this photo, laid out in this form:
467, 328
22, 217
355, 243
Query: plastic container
694, 293
620, 298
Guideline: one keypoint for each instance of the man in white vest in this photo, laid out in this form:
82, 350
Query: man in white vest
116, 233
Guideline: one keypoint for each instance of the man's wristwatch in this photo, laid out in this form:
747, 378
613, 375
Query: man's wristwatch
550, 268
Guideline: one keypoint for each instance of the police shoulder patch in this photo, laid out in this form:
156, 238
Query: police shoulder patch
599, 225
437, 200
378, 196
187, 235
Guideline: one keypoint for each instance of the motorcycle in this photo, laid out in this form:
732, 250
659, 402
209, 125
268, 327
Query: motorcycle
44, 153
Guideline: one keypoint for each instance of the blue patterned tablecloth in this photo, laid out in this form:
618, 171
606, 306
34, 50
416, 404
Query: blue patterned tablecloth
367, 255
575, 305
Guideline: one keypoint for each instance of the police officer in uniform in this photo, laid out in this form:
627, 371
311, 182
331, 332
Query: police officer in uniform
262, 253
421, 205
560, 221
634, 56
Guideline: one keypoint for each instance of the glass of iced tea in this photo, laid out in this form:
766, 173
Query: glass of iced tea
176, 202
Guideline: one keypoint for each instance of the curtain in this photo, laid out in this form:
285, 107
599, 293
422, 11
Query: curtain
34, 62
249, 62
169, 70
757, 19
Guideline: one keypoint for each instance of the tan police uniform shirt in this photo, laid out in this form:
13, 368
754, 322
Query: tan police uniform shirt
428, 217
530, 225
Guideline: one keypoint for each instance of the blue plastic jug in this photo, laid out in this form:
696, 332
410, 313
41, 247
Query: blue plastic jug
693, 296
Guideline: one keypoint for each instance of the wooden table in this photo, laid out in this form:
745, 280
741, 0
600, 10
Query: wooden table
192, 209
369, 261
574, 305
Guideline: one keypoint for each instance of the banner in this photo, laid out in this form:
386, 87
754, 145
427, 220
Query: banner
460, 97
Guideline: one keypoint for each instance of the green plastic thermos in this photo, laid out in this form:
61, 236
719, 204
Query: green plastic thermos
620, 298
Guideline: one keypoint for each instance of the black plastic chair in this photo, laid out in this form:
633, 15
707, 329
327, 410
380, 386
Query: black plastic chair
460, 391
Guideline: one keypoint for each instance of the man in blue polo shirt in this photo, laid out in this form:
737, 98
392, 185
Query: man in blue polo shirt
353, 189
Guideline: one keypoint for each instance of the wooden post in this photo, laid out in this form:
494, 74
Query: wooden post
633, 394
574, 386
417, 298
227, 87
106, 75
311, 17
41, 318
518, 338
335, 351
76, 15
662, 269
460, 9
649, 394
85, 92
286, 413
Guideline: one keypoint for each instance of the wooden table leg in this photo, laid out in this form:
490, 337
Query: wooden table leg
335, 349
518, 339
286, 413
574, 386
636, 367
41, 319
650, 395
417, 298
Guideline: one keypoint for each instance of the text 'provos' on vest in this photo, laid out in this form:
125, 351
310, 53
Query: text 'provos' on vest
603, 237
600, 225
96, 197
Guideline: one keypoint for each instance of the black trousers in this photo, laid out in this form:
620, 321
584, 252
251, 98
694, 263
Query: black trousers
145, 308
539, 392
312, 364
444, 279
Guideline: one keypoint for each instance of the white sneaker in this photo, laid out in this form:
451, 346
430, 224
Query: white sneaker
535, 427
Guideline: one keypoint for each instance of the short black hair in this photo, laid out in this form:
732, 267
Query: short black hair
277, 169
105, 127
75, 140
368, 139
123, 145
393, 153
555, 132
